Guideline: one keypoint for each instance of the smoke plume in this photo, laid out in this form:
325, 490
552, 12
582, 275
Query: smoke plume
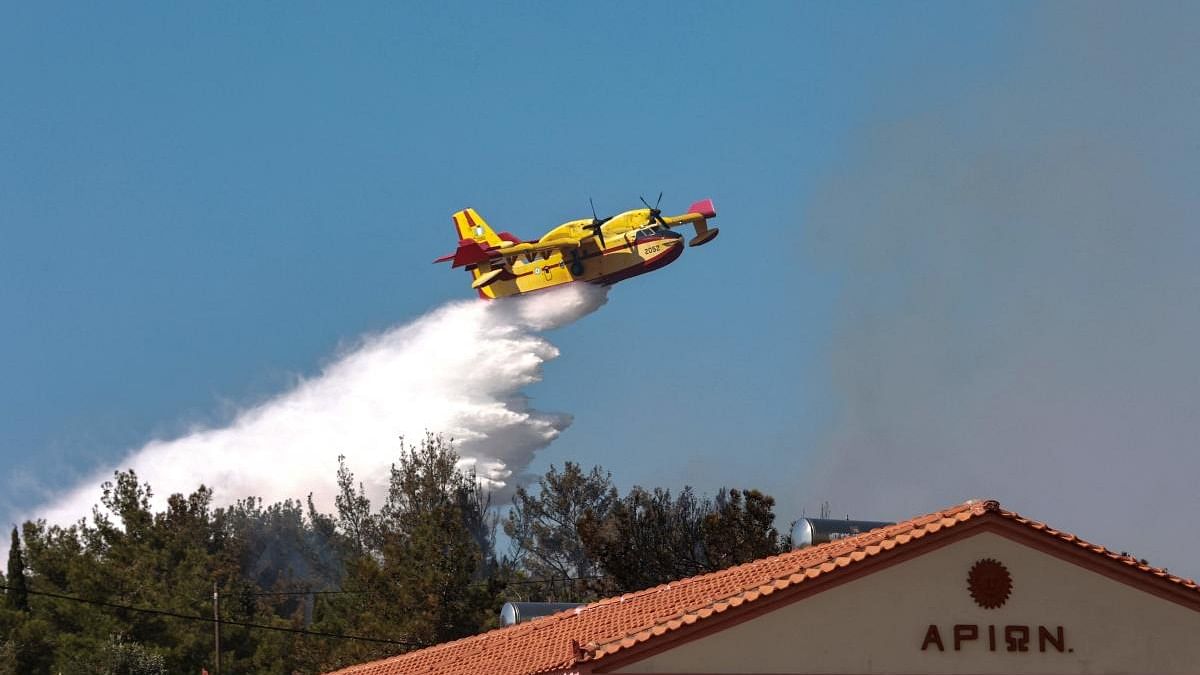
459, 371
1021, 304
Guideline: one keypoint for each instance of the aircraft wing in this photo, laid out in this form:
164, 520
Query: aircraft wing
539, 247
471, 252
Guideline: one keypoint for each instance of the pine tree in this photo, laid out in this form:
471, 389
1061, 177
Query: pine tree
543, 531
18, 589
433, 559
740, 528
423, 565
648, 538
651, 538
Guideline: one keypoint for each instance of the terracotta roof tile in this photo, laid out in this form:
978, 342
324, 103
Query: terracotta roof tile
559, 642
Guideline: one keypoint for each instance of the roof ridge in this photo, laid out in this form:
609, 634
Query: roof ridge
799, 552
509, 631
1123, 557
825, 564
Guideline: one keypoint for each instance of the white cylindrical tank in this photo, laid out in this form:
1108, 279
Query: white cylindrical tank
812, 531
516, 612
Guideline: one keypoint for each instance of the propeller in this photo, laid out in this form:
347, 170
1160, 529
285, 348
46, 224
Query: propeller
655, 212
596, 226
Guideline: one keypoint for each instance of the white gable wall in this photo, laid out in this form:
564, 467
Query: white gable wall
877, 623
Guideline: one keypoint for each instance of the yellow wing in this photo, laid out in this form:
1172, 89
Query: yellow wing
510, 249
514, 258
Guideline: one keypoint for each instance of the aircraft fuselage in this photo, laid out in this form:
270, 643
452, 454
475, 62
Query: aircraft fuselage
594, 250
624, 255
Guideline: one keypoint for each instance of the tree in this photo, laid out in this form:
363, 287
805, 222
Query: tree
18, 589
28, 649
543, 529
433, 560
650, 538
355, 519
423, 565
740, 528
420, 568
120, 657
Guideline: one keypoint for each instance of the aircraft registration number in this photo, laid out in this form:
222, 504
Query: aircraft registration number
651, 250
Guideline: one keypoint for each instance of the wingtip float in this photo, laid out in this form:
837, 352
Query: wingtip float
594, 250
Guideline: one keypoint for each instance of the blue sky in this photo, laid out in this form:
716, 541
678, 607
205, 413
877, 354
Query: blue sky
200, 203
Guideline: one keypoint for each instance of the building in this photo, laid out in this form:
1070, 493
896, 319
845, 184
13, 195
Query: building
972, 589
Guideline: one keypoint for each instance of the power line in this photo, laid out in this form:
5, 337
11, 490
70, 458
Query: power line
553, 581
521, 582
225, 622
332, 592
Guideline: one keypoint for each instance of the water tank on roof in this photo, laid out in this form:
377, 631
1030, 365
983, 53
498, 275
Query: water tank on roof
812, 531
516, 612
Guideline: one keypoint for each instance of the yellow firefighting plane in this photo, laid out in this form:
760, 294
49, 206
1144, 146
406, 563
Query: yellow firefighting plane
597, 250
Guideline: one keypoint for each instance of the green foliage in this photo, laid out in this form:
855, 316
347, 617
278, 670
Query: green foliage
426, 557
739, 528
119, 657
650, 538
131, 555
575, 525
27, 648
545, 540
417, 569
17, 591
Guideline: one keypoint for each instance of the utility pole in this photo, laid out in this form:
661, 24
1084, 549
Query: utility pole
217, 626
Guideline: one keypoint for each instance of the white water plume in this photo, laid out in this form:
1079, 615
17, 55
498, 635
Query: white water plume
458, 371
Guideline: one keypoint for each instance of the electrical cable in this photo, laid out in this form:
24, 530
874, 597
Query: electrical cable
224, 622
521, 582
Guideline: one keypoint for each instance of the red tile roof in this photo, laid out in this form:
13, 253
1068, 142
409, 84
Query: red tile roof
585, 634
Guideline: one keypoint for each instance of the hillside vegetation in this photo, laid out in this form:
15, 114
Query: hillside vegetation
130, 589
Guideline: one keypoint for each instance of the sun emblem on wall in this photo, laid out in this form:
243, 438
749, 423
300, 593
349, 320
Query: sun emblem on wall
990, 583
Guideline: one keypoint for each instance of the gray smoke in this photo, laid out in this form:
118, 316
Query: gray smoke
1020, 316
